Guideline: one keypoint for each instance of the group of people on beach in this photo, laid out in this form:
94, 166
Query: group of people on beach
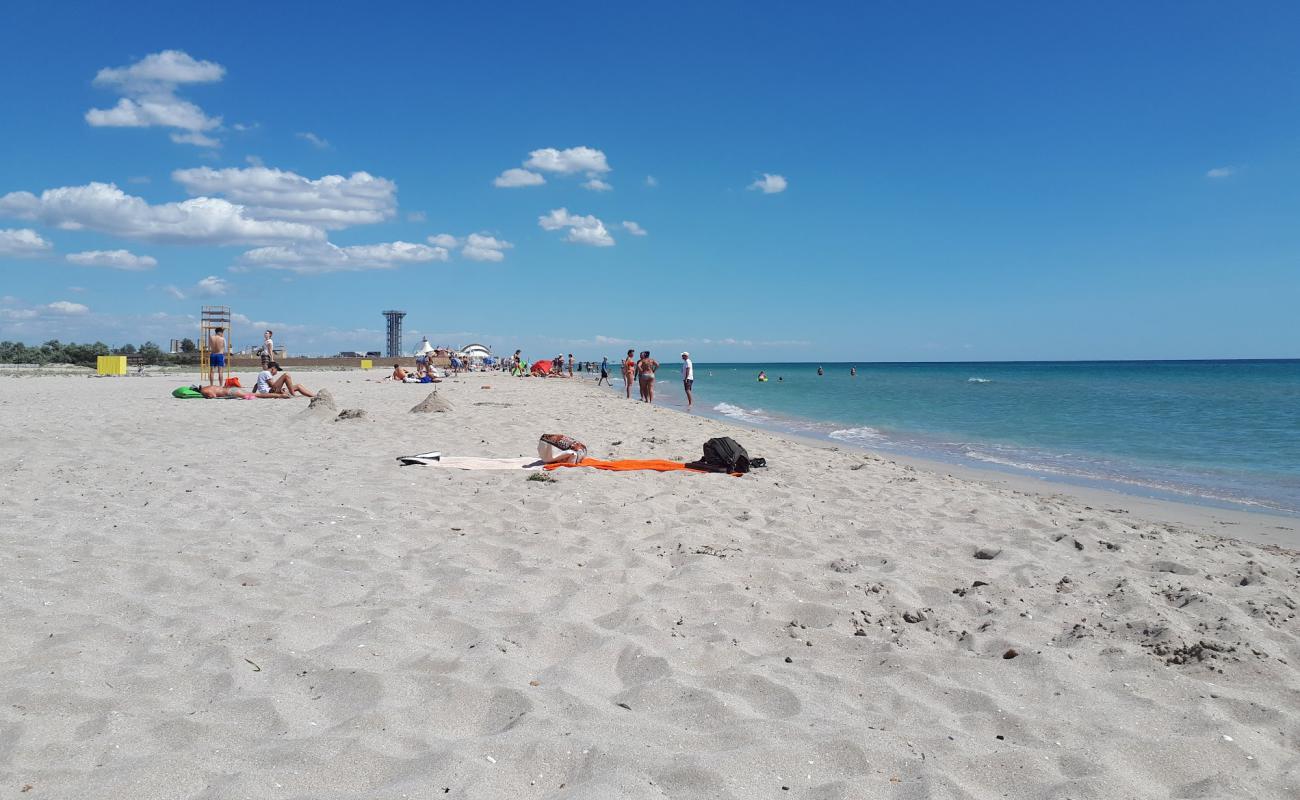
272, 382
641, 371
520, 367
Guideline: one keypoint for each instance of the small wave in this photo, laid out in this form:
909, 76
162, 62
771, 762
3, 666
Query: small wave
736, 412
979, 380
858, 435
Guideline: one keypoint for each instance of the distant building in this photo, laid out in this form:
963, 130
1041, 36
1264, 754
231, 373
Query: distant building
175, 346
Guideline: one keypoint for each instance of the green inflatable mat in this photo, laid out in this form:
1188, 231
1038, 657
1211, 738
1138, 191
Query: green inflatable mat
186, 392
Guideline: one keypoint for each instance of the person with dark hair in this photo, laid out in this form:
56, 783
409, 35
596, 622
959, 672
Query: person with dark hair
604, 371
217, 356
629, 367
268, 349
272, 380
646, 376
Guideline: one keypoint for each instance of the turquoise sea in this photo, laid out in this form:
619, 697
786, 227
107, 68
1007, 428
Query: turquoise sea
1216, 432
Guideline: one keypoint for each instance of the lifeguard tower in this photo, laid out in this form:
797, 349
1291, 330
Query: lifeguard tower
212, 317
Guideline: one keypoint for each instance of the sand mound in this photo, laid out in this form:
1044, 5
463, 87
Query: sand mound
351, 413
434, 402
321, 406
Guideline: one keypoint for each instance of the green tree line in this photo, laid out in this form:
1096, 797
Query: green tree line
56, 352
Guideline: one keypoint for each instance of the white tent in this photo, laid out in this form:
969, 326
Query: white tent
475, 351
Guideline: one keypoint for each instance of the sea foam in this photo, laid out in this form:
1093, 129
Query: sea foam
744, 415
858, 435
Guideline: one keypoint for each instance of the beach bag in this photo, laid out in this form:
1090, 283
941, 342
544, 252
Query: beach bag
233, 381
725, 454
556, 448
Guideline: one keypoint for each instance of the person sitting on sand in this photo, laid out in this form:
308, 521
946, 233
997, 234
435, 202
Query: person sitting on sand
272, 379
399, 374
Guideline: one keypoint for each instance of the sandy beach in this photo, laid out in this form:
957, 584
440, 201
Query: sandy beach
245, 599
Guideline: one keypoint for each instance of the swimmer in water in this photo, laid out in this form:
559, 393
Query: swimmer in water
853, 371
820, 372
762, 376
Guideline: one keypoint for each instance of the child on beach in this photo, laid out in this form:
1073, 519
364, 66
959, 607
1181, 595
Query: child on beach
217, 356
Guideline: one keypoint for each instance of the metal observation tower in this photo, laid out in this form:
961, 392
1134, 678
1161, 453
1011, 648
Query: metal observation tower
394, 332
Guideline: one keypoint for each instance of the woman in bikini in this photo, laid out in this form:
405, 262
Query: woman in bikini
647, 366
629, 366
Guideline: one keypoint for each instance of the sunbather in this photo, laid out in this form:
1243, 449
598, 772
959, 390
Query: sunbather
272, 379
234, 392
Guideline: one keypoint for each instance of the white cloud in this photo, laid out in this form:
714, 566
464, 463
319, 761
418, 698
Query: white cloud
514, 178
331, 201
149, 96
105, 208
475, 247
22, 242
416, 216
174, 292
769, 184
651, 181
597, 185
586, 230
319, 258
1221, 172
67, 307
569, 161
633, 228
480, 247
212, 286
200, 139
168, 68
113, 259
316, 141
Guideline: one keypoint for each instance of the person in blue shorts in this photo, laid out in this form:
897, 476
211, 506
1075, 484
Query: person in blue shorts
217, 357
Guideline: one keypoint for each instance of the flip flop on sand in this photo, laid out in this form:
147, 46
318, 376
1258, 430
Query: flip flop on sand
420, 460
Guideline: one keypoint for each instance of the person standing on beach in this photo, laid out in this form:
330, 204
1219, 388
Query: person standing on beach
217, 356
268, 349
688, 377
604, 371
646, 369
629, 366
570, 365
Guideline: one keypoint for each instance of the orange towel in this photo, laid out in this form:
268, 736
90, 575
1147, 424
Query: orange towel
629, 464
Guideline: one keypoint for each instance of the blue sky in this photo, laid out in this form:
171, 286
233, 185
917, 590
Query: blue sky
842, 181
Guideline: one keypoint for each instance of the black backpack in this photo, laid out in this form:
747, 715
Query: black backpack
725, 454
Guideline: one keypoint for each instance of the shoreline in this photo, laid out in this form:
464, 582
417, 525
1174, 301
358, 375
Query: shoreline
1237, 521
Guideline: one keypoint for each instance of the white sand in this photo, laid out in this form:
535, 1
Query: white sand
233, 599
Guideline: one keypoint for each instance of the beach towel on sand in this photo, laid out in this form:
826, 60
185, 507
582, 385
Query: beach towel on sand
629, 465
473, 462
